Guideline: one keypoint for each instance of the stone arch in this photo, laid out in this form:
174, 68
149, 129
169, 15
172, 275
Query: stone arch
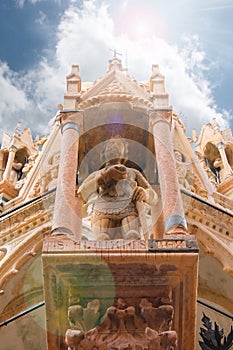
229, 154
140, 142
211, 154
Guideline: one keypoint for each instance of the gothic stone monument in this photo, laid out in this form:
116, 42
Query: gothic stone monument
120, 265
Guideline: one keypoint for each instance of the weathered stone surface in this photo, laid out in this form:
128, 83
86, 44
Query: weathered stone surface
117, 294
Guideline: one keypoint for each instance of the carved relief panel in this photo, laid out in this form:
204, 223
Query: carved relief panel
129, 299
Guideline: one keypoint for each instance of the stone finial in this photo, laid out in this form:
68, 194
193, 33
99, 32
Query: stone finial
157, 81
216, 125
156, 72
73, 80
194, 135
18, 128
115, 64
157, 87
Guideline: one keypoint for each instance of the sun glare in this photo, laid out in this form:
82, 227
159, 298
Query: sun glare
139, 23
141, 28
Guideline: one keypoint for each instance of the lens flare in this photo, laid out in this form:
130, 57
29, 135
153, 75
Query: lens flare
138, 23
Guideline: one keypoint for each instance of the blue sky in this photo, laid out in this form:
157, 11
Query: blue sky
191, 40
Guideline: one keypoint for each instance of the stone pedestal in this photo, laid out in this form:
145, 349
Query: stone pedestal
7, 192
120, 294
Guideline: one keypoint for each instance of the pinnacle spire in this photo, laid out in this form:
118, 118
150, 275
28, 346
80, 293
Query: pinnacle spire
115, 62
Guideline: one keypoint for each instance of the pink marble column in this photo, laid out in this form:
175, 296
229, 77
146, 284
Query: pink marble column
67, 214
173, 211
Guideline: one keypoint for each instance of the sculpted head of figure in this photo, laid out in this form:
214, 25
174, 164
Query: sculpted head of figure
115, 148
178, 156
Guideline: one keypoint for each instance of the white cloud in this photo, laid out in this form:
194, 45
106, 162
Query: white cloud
20, 3
46, 86
85, 36
31, 99
42, 18
34, 1
13, 99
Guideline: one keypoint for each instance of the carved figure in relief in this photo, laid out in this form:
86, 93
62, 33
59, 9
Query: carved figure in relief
183, 171
84, 318
158, 318
27, 166
204, 163
220, 170
115, 192
53, 177
121, 317
15, 171
127, 327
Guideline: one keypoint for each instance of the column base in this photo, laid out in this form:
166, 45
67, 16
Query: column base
7, 192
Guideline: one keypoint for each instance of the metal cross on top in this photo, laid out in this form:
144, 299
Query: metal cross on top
115, 53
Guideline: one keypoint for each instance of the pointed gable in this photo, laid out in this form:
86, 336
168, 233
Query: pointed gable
117, 86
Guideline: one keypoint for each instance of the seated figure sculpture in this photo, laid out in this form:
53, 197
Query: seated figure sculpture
15, 171
115, 192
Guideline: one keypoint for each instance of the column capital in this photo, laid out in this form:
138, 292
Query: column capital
151, 110
71, 119
65, 111
160, 115
12, 148
70, 125
61, 231
220, 145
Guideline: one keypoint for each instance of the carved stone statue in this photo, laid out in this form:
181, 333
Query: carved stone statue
183, 171
27, 166
15, 171
114, 192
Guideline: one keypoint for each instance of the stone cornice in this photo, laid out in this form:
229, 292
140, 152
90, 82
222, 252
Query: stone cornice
28, 247
211, 215
213, 245
22, 233
160, 115
226, 186
26, 218
213, 227
115, 97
